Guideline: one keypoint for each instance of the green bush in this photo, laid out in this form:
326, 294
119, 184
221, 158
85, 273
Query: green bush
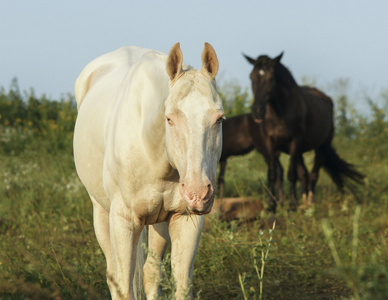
29, 122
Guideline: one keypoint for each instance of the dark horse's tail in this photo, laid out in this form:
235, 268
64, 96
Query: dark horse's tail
341, 171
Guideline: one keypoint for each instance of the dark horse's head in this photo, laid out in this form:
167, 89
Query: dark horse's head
263, 78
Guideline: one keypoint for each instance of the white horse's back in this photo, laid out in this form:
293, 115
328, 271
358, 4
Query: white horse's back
123, 57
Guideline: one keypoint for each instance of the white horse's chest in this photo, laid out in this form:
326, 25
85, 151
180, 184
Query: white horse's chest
154, 202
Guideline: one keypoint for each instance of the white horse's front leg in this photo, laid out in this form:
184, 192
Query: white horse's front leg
185, 232
124, 236
158, 240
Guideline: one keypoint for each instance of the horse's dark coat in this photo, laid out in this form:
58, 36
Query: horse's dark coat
241, 134
295, 119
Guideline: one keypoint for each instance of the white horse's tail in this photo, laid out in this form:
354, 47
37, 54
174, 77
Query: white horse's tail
138, 288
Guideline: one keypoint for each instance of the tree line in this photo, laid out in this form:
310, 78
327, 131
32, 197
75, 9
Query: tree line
26, 118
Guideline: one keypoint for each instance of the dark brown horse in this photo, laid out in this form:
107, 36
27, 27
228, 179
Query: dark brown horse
296, 119
241, 134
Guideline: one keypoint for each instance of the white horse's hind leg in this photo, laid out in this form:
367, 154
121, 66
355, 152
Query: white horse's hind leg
185, 232
101, 228
158, 240
124, 236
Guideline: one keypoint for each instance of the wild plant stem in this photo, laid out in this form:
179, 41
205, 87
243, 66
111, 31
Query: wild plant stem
328, 231
264, 255
242, 286
60, 268
355, 235
329, 236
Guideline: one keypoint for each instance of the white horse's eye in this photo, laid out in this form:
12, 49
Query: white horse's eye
169, 121
220, 120
261, 72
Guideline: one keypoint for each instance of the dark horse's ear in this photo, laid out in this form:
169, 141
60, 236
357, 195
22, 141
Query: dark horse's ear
251, 60
279, 57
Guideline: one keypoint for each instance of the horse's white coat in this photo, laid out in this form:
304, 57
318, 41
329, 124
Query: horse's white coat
146, 146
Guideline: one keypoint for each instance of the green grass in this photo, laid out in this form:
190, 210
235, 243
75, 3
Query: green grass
48, 247
48, 250
301, 262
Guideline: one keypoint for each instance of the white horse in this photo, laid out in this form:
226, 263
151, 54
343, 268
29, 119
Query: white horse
146, 146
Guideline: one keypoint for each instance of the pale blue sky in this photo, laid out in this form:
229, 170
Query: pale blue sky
45, 44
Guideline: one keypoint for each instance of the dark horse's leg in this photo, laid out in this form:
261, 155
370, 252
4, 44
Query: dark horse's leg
303, 178
275, 181
292, 177
221, 181
272, 177
319, 160
280, 197
296, 170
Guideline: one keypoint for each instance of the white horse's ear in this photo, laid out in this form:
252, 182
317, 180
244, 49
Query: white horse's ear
209, 61
174, 62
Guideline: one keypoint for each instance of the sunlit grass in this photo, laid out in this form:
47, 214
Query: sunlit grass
48, 248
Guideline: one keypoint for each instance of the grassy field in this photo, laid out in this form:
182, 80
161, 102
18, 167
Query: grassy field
338, 249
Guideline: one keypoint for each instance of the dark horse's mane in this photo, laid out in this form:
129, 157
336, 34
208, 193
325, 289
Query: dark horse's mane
284, 76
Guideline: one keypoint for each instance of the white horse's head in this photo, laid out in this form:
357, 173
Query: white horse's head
194, 115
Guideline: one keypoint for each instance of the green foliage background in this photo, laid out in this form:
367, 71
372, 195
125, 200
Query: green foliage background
48, 249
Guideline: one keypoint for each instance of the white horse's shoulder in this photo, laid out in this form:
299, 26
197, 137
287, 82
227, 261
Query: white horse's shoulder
124, 57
